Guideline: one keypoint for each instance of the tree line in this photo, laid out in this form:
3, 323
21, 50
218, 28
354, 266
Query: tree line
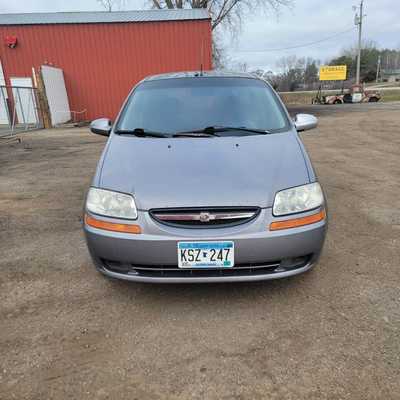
370, 55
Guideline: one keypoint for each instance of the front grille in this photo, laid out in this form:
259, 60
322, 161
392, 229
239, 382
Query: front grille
172, 271
205, 217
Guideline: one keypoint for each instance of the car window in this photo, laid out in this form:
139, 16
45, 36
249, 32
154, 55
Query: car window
183, 104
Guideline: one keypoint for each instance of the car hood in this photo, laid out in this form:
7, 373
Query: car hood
203, 172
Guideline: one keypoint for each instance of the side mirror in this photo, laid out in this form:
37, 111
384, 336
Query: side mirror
101, 126
305, 122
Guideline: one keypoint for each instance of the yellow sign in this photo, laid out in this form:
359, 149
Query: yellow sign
333, 73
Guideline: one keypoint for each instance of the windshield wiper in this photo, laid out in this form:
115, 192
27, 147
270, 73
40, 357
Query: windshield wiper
140, 132
213, 130
195, 134
206, 132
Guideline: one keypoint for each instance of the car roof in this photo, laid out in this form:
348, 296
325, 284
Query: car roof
201, 74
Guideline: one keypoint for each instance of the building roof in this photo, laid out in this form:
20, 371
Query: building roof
92, 17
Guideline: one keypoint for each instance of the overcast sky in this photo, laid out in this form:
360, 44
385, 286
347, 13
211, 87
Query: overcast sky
308, 21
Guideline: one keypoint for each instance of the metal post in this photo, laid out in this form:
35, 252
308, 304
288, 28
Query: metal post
378, 69
359, 21
29, 112
4, 104
14, 116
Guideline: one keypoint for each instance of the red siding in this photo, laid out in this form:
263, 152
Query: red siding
102, 62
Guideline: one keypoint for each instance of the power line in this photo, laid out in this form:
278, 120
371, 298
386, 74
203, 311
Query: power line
311, 43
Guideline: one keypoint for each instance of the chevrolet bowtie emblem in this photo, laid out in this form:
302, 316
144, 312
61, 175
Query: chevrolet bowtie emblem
205, 217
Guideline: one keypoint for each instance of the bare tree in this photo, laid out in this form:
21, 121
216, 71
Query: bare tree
220, 57
295, 72
288, 63
226, 12
109, 5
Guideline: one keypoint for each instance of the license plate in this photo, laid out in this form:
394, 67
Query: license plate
206, 254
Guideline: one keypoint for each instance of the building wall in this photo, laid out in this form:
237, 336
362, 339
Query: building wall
390, 75
102, 62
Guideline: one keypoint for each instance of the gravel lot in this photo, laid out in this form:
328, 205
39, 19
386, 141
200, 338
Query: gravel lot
333, 333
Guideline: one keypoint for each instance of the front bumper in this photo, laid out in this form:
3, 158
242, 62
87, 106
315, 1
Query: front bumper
260, 254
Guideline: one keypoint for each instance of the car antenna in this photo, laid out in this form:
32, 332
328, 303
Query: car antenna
201, 57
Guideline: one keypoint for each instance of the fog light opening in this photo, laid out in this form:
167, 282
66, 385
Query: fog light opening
293, 263
116, 266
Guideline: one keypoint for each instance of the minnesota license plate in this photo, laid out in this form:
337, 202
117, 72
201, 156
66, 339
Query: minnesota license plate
206, 254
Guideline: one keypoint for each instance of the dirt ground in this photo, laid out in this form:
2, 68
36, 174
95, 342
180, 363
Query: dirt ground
333, 333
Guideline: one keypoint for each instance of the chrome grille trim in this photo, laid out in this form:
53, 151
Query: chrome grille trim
205, 217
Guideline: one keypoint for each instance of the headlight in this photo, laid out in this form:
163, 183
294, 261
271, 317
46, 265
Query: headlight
111, 204
298, 199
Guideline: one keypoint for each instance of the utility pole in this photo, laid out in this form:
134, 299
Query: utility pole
359, 22
378, 69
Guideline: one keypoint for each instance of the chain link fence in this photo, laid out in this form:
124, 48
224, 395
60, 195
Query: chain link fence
19, 110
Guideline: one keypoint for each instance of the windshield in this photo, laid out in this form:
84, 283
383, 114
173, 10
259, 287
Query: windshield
185, 104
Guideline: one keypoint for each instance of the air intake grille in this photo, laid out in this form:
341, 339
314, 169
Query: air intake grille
205, 217
173, 271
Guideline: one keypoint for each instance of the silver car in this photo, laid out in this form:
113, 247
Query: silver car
204, 178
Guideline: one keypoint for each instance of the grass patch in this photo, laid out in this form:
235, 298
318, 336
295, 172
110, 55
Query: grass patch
390, 95
294, 98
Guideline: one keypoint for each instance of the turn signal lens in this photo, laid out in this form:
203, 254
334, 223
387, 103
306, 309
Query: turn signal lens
296, 222
111, 226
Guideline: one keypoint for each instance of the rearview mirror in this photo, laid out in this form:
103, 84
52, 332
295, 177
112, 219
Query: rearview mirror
101, 126
305, 122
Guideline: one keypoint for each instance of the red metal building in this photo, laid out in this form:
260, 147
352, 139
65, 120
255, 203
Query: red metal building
104, 54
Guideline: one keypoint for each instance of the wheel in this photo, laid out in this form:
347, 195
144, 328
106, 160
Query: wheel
337, 101
372, 100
